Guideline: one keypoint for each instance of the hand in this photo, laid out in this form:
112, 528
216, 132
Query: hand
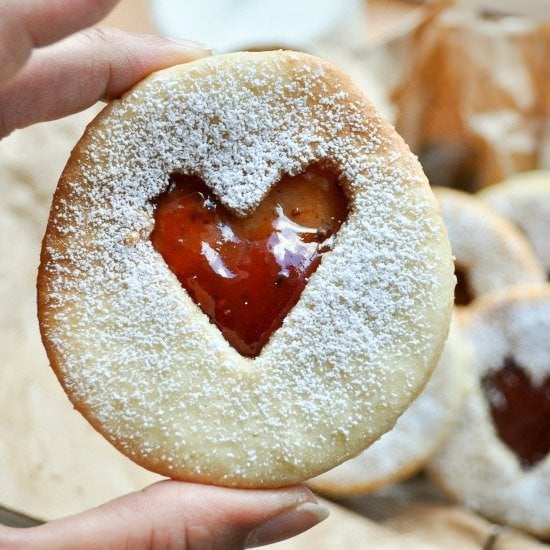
172, 514
62, 76
48, 72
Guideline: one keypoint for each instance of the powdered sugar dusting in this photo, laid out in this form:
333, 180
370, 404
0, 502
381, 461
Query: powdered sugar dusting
418, 433
135, 351
476, 465
525, 199
489, 248
518, 326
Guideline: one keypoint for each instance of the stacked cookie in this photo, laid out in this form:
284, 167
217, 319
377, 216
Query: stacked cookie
482, 425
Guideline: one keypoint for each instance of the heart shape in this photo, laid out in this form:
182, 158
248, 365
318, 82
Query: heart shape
247, 273
520, 411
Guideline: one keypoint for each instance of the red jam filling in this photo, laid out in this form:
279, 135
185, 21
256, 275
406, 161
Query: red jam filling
463, 291
520, 411
247, 273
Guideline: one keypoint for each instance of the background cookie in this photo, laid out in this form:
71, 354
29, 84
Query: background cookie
497, 462
525, 199
490, 252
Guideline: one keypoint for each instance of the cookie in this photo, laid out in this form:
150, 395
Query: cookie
490, 252
144, 352
525, 199
496, 462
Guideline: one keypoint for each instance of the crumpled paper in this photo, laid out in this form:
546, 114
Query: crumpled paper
473, 100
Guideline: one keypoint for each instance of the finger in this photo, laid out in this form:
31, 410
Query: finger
173, 514
75, 73
26, 24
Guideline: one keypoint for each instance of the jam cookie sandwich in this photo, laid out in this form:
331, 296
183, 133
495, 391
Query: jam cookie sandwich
245, 277
490, 252
497, 460
418, 434
525, 199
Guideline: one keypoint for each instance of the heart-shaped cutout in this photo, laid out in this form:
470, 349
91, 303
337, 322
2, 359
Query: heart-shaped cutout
520, 411
247, 273
464, 294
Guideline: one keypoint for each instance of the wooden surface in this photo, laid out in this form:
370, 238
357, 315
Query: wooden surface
52, 463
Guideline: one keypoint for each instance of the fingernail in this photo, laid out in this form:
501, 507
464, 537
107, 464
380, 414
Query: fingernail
190, 44
287, 524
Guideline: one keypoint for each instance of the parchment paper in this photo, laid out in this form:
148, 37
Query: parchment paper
474, 97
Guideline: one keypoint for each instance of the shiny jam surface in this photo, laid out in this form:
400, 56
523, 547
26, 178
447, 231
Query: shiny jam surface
247, 273
463, 291
520, 411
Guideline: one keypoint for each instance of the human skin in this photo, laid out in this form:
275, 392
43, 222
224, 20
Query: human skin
52, 64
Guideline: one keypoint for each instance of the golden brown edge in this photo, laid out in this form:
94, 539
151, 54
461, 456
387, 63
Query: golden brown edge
394, 140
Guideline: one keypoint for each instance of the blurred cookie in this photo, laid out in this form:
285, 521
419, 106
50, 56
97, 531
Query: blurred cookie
496, 462
490, 252
525, 199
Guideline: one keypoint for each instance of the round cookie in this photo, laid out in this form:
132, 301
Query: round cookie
143, 363
417, 435
490, 253
497, 461
525, 199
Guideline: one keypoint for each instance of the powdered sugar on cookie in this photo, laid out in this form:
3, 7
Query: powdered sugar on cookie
490, 249
525, 200
145, 365
476, 466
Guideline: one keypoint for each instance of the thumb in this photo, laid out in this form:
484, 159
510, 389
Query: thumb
172, 514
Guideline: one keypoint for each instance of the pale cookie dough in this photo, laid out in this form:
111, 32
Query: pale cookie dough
490, 252
525, 199
476, 466
139, 358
